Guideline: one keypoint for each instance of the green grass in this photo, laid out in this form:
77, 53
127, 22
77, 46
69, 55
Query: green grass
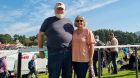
121, 74
43, 75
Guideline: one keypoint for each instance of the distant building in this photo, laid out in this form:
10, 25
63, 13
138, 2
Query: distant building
18, 44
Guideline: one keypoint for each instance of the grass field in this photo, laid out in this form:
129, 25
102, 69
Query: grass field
121, 74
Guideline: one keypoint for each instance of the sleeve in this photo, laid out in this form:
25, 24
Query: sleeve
5, 64
101, 43
44, 26
90, 37
114, 41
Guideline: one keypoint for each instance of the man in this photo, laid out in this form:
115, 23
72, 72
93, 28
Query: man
58, 31
3, 68
32, 67
95, 56
114, 52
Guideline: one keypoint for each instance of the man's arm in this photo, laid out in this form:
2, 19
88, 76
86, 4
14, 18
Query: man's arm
40, 39
40, 44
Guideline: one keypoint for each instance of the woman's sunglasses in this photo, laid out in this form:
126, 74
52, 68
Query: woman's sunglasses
79, 20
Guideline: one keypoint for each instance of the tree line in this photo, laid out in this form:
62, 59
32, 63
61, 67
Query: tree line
27, 41
123, 37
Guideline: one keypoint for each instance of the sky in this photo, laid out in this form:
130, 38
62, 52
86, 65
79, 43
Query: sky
24, 17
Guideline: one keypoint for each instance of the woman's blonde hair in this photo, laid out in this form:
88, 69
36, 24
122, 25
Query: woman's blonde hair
85, 23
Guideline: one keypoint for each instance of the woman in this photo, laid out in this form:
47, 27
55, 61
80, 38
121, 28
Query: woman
82, 47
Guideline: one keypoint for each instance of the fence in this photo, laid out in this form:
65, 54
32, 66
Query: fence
119, 46
20, 50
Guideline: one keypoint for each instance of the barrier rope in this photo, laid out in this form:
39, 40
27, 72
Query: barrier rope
33, 49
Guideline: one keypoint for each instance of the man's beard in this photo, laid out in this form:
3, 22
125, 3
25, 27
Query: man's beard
60, 16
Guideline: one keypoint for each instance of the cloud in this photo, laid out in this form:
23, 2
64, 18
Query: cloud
11, 15
76, 7
37, 1
20, 28
40, 13
82, 6
28, 19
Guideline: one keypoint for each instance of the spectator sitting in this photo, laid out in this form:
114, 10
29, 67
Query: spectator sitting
131, 64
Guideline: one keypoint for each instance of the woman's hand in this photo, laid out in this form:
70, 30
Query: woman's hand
90, 62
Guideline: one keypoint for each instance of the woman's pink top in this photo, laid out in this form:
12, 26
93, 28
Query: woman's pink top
80, 42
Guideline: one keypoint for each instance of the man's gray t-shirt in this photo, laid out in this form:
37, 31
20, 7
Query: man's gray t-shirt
58, 32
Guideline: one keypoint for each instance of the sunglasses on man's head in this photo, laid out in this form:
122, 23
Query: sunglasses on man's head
79, 20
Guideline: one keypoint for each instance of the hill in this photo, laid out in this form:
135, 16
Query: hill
137, 33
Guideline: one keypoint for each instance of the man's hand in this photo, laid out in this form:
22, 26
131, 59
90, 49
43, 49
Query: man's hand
41, 54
